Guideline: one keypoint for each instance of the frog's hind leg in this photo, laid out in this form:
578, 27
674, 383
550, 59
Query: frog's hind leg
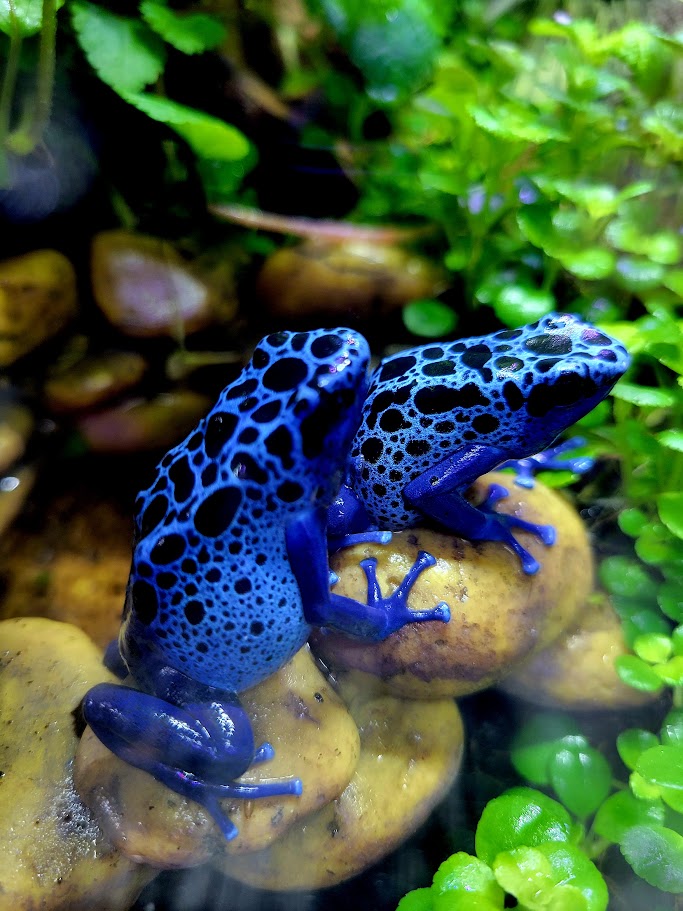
196, 750
373, 621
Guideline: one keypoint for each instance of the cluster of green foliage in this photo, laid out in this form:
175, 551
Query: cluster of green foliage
129, 54
549, 151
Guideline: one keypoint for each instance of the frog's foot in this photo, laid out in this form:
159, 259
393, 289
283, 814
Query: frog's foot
548, 460
371, 536
209, 795
395, 607
498, 527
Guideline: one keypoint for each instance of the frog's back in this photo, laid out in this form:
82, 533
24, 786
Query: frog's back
211, 592
514, 390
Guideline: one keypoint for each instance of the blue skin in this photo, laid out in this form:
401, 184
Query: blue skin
439, 416
230, 569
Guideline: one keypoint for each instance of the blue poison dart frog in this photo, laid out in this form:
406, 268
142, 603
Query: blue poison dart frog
230, 569
439, 416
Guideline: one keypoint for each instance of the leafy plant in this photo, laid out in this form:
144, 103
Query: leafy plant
129, 54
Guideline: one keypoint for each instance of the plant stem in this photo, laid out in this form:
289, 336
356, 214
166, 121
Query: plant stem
46, 72
9, 82
24, 139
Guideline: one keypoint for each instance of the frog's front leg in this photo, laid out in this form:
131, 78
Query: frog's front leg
197, 749
438, 493
373, 621
550, 459
348, 523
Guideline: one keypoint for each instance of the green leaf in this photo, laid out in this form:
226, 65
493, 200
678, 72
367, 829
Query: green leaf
627, 578
670, 600
592, 263
670, 508
581, 777
662, 766
672, 729
677, 640
632, 521
516, 124
671, 671
664, 247
656, 854
623, 811
518, 305
124, 52
462, 876
639, 275
644, 396
417, 900
537, 741
557, 876
188, 32
392, 42
429, 318
671, 439
207, 136
521, 816
636, 673
665, 121
23, 17
652, 647
632, 742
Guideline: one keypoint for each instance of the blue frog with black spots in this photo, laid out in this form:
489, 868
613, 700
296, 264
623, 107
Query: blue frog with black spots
438, 416
230, 569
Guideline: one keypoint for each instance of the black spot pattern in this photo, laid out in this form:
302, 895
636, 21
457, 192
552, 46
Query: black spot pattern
211, 591
514, 390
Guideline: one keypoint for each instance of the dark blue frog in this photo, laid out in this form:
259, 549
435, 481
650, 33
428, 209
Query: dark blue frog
439, 416
230, 569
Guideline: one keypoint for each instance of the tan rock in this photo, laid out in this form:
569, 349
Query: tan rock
354, 277
577, 671
145, 288
16, 424
94, 380
410, 756
140, 424
37, 299
53, 854
499, 615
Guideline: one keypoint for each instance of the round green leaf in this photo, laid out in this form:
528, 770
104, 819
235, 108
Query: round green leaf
521, 816
662, 766
632, 521
672, 439
417, 900
644, 396
464, 876
581, 777
429, 318
632, 743
670, 600
593, 263
656, 854
517, 305
622, 811
639, 274
670, 508
628, 578
636, 673
652, 647
551, 875
537, 741
677, 640
671, 671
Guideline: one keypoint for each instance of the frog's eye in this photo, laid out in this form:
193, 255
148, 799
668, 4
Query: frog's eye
568, 389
